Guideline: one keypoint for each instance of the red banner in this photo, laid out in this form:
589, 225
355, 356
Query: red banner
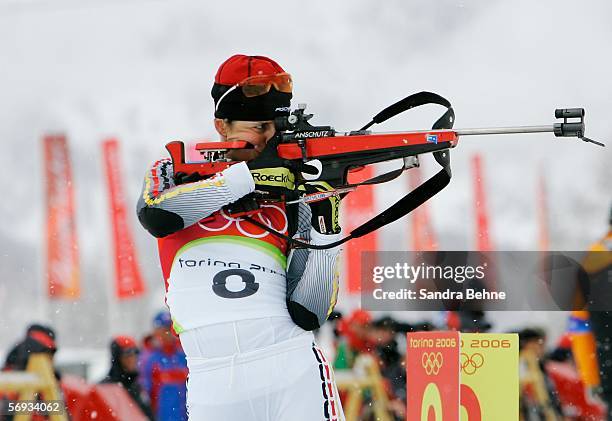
358, 207
128, 281
483, 242
483, 237
542, 198
432, 372
62, 270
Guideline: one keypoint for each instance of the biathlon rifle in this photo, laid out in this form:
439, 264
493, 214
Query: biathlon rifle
320, 153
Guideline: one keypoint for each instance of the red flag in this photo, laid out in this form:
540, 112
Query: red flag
483, 239
62, 269
358, 207
483, 242
127, 274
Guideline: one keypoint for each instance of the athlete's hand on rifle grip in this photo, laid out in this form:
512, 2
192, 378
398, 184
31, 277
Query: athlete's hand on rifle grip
183, 178
325, 213
275, 180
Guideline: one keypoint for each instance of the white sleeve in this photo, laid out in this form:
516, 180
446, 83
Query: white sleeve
312, 276
162, 202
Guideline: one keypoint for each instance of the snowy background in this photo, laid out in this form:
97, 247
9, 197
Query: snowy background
142, 71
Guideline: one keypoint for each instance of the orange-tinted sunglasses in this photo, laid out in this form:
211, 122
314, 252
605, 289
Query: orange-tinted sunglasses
261, 84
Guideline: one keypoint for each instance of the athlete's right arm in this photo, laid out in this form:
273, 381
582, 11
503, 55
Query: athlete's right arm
164, 207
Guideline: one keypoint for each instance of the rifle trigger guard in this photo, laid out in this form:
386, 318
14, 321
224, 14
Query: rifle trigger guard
302, 144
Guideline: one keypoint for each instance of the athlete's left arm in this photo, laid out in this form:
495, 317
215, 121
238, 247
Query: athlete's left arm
312, 275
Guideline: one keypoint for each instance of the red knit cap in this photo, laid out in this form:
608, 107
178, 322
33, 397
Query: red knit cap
236, 106
238, 67
125, 343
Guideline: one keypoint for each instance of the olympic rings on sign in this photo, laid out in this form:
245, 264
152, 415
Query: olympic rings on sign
432, 362
471, 363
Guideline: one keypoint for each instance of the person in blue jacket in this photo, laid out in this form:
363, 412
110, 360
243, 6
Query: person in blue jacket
165, 373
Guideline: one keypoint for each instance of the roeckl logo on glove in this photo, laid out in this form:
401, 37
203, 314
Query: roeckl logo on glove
276, 177
280, 178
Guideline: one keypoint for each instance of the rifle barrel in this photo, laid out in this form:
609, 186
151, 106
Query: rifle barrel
505, 130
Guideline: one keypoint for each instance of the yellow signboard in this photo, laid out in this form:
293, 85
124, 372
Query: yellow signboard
489, 377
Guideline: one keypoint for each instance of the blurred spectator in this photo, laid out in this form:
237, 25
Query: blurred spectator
358, 334
354, 338
532, 341
563, 351
124, 370
577, 399
598, 264
38, 339
165, 372
384, 339
391, 362
146, 349
467, 321
152, 341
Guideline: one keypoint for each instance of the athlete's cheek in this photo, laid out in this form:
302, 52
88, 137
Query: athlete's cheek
258, 140
260, 145
269, 135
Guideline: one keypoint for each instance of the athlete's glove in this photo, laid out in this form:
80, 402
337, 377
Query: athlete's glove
266, 179
182, 178
325, 213
273, 180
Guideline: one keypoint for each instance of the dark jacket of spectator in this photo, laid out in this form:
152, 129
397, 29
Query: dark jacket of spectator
124, 370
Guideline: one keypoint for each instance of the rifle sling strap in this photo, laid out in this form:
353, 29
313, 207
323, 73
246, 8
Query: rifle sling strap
404, 206
413, 199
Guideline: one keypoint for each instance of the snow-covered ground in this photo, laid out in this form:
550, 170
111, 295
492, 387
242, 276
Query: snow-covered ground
142, 71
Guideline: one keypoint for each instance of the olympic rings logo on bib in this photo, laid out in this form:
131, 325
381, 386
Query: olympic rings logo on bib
471, 363
240, 224
432, 362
